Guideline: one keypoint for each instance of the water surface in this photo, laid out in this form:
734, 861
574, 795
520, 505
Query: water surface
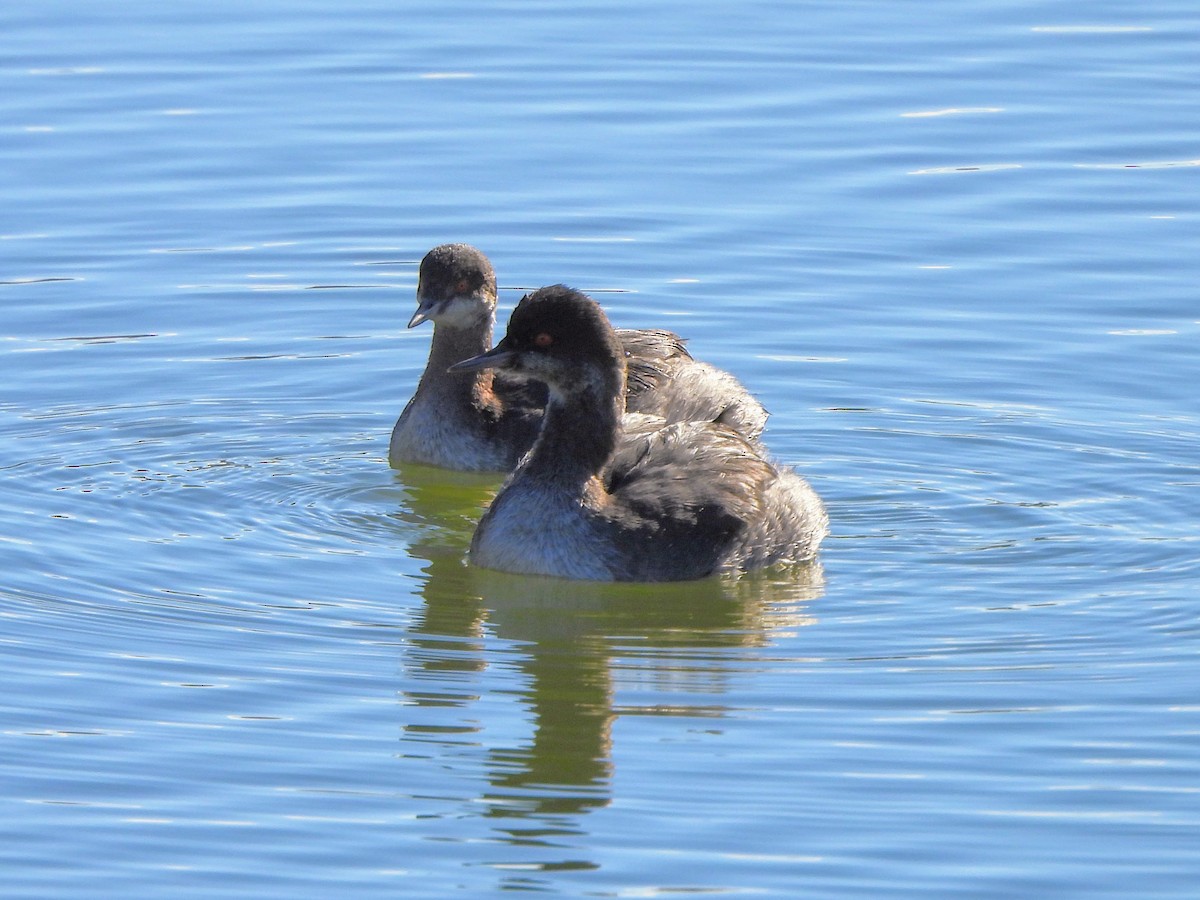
953, 249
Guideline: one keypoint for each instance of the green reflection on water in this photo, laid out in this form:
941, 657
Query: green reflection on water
572, 647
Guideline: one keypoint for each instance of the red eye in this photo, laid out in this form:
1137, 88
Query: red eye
463, 286
543, 339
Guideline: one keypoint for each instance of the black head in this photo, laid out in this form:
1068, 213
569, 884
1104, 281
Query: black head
562, 337
456, 285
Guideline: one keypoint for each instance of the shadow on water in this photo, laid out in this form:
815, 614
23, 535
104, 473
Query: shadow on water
572, 647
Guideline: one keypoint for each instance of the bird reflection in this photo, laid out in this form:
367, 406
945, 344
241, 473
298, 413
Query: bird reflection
565, 639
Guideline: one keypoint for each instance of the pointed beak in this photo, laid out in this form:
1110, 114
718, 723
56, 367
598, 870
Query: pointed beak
425, 309
499, 357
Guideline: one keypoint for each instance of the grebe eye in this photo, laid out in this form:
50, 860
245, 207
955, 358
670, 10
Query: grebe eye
543, 339
463, 286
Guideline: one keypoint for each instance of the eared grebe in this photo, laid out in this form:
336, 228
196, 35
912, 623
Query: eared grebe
597, 502
486, 421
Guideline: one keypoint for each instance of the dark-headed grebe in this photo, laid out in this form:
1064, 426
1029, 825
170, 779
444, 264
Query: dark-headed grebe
591, 501
487, 421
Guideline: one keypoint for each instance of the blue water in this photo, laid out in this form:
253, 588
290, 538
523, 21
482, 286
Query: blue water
954, 248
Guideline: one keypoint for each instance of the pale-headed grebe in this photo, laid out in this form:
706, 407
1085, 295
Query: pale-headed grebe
593, 501
487, 421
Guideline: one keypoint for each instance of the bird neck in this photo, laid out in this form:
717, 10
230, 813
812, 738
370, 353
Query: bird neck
471, 390
579, 435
